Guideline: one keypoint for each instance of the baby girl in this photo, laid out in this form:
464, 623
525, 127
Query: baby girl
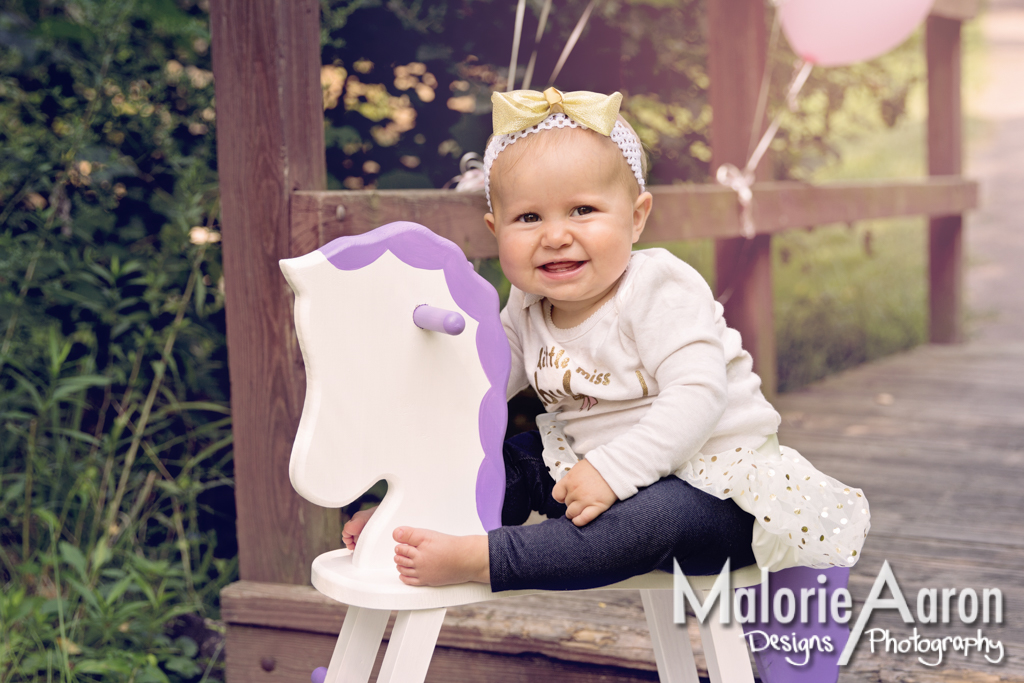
657, 443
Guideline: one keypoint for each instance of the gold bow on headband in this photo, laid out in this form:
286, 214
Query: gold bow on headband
520, 109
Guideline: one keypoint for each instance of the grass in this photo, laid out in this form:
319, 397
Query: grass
847, 294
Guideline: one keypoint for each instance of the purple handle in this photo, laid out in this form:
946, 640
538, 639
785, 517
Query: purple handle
319, 675
438, 320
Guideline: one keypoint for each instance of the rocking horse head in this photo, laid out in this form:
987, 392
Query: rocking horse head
390, 398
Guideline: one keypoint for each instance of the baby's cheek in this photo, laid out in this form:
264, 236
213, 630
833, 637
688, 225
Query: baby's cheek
514, 263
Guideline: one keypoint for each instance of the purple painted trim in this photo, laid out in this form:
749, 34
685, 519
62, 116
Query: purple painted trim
420, 248
427, 317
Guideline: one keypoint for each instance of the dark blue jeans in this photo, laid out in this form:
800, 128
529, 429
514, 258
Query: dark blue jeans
668, 519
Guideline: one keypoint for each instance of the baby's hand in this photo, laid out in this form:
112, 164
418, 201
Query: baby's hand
353, 527
585, 493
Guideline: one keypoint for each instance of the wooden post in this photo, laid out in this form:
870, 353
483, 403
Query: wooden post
737, 47
270, 142
945, 150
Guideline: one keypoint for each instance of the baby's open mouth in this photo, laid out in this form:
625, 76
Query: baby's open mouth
562, 266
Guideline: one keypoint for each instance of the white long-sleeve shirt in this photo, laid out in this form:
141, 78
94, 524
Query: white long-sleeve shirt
648, 381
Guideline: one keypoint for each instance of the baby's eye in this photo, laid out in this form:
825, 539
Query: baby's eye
528, 218
582, 210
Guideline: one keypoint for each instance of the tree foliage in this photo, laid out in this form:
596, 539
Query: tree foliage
407, 85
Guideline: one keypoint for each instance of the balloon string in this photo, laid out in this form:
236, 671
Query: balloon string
541, 25
571, 43
740, 181
520, 12
803, 71
766, 77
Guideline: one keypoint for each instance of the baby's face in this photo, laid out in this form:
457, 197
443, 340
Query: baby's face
565, 218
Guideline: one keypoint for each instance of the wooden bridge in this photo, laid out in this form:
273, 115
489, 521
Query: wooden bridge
935, 437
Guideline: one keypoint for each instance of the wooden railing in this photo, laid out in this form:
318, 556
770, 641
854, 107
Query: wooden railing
680, 212
270, 143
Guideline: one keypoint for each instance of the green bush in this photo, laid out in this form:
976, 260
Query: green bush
115, 432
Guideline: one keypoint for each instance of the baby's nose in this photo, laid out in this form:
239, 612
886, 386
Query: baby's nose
557, 234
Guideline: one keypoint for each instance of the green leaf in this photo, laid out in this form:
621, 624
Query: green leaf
60, 29
78, 436
58, 352
145, 588
48, 517
177, 611
37, 400
107, 666
101, 555
188, 647
151, 674
153, 567
118, 589
73, 385
199, 405
87, 594
14, 490
185, 667
74, 557
210, 450
51, 606
126, 611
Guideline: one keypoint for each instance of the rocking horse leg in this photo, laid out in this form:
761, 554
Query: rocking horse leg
814, 665
357, 645
725, 649
672, 650
411, 646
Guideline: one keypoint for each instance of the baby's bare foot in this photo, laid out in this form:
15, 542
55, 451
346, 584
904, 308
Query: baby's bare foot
353, 527
429, 558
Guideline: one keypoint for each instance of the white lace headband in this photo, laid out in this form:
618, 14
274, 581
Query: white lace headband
620, 135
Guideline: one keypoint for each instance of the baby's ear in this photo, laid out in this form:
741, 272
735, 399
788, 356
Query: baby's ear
489, 220
641, 211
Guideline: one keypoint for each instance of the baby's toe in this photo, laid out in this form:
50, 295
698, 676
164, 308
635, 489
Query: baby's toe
410, 536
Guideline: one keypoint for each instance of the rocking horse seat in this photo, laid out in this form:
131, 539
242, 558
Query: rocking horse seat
335, 576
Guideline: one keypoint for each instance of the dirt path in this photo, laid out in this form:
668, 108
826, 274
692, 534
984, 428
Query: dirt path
995, 233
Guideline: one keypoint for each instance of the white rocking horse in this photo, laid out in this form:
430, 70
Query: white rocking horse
406, 366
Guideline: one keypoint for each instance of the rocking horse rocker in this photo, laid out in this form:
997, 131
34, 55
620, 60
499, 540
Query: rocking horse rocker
407, 365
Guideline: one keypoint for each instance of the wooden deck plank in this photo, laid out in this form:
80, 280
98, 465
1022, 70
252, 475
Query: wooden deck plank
276, 656
605, 628
941, 465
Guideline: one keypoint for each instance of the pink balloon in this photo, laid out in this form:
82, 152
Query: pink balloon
837, 32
